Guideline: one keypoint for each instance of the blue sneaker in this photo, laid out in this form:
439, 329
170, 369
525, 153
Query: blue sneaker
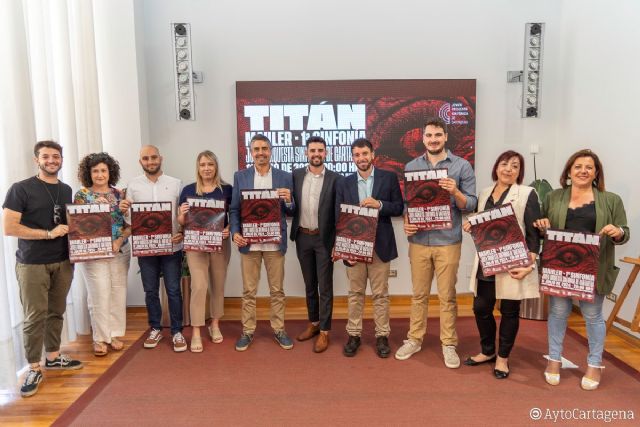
31, 383
283, 339
243, 342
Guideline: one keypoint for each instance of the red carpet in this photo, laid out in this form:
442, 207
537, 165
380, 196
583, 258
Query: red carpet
269, 386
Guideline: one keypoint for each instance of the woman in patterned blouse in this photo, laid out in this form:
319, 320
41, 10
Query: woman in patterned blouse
106, 279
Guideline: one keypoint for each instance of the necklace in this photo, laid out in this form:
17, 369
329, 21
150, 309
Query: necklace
49, 193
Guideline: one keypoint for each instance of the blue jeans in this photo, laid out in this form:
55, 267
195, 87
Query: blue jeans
559, 310
171, 268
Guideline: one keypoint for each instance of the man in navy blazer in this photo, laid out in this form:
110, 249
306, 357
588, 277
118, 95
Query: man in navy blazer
372, 188
314, 230
262, 176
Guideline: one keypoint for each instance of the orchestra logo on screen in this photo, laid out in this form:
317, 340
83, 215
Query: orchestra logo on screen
454, 113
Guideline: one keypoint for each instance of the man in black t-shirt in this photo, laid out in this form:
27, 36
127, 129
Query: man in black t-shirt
34, 212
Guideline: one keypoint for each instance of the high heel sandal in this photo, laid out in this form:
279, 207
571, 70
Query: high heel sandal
589, 384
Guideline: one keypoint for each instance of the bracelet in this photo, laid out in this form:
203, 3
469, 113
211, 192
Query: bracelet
49, 237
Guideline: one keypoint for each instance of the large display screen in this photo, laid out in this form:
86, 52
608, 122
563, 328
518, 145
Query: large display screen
390, 113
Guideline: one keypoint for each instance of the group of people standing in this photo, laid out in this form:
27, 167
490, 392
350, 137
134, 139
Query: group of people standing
34, 212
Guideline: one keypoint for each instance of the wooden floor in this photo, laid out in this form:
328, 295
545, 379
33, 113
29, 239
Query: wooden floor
60, 389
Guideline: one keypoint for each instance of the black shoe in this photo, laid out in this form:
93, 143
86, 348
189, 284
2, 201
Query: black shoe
62, 362
471, 362
351, 346
382, 347
501, 375
31, 383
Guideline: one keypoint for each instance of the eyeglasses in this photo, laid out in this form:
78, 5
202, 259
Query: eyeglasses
57, 214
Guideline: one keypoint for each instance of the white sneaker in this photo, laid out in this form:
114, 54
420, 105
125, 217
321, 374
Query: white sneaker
179, 343
451, 359
407, 350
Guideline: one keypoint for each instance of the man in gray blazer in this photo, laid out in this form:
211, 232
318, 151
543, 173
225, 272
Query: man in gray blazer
314, 231
262, 176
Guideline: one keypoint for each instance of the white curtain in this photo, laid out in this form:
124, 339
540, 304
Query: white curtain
48, 90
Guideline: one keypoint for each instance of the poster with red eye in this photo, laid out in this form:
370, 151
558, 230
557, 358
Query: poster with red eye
569, 263
499, 240
89, 232
260, 216
389, 113
204, 224
428, 204
356, 233
151, 228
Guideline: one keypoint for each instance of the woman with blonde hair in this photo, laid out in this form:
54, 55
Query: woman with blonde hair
208, 269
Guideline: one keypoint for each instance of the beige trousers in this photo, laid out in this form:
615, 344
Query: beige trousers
251, 264
425, 261
208, 271
107, 294
378, 275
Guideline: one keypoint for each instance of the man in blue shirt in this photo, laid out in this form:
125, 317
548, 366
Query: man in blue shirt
438, 251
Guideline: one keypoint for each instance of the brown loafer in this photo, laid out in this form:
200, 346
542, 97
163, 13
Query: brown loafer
322, 343
311, 331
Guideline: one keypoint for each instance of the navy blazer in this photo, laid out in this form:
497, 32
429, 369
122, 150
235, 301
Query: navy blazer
387, 190
326, 206
243, 180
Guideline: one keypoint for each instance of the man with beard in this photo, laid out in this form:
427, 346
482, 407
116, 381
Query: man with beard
379, 189
155, 186
438, 250
314, 231
34, 212
262, 176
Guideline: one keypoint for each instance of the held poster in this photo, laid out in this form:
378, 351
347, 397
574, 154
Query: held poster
570, 264
356, 233
204, 224
151, 228
260, 216
428, 204
89, 232
390, 113
499, 240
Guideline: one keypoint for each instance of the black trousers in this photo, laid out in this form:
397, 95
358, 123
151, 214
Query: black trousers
483, 305
317, 272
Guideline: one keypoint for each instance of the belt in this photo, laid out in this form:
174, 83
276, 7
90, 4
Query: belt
309, 231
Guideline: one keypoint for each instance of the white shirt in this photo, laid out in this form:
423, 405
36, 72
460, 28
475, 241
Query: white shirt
165, 189
311, 189
264, 182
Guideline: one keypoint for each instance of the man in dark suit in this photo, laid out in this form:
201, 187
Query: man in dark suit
379, 189
314, 231
262, 176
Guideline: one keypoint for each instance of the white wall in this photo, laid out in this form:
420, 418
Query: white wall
598, 109
290, 40
338, 40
